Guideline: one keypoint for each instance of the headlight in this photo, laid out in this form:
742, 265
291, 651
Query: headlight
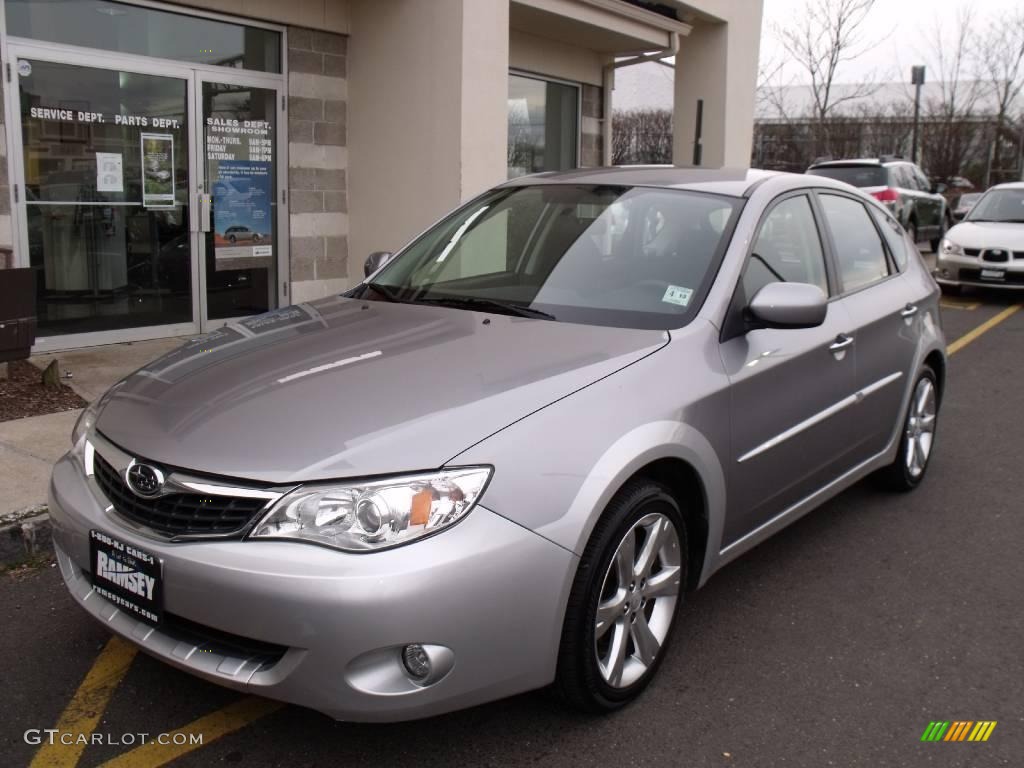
86, 421
948, 248
360, 517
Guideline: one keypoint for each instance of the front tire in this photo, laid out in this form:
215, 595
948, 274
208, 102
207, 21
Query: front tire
918, 438
624, 600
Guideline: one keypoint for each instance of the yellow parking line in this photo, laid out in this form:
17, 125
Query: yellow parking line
950, 304
211, 727
988, 325
87, 705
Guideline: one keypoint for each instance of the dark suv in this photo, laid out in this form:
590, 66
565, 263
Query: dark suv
902, 187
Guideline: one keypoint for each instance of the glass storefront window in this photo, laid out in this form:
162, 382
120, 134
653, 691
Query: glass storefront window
106, 196
123, 28
240, 139
543, 125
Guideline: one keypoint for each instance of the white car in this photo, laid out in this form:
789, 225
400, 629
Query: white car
987, 248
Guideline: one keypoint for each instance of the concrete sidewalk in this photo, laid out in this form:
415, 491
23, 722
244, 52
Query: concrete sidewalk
30, 446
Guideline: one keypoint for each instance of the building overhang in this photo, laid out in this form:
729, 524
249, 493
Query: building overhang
606, 26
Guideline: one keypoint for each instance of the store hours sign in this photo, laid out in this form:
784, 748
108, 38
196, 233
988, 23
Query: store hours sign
239, 154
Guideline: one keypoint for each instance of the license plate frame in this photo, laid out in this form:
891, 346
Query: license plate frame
127, 576
998, 275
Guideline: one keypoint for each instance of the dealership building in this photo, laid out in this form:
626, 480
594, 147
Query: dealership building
168, 167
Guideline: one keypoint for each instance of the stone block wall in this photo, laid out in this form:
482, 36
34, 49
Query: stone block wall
317, 164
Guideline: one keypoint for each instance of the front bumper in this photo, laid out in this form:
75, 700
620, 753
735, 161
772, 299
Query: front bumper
966, 270
324, 629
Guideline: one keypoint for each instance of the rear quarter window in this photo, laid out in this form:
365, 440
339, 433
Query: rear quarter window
895, 237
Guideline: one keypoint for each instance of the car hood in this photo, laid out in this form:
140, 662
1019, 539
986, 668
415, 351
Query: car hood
346, 388
988, 234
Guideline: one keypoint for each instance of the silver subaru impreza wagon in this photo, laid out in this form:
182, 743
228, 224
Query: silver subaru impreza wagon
501, 461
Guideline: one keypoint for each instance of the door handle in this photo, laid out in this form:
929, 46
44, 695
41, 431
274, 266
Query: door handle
840, 345
908, 311
204, 211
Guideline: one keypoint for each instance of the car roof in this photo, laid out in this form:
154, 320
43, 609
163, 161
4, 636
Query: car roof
723, 181
1010, 185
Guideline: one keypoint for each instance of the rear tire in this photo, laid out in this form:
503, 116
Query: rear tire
917, 440
615, 633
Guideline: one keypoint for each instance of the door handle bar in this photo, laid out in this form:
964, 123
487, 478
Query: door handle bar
908, 311
842, 342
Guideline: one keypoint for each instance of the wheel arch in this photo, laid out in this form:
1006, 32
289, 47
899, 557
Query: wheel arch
685, 485
678, 457
937, 362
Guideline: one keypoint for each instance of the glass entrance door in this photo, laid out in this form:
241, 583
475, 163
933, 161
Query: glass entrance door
238, 197
105, 215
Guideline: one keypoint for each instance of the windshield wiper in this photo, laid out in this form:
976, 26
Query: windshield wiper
488, 305
383, 290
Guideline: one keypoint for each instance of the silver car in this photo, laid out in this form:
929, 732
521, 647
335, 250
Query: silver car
987, 248
501, 461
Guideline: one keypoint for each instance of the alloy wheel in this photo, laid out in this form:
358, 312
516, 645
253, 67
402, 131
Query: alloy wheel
638, 600
920, 428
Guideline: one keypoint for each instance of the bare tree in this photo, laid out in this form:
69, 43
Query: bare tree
1002, 66
950, 122
829, 35
642, 136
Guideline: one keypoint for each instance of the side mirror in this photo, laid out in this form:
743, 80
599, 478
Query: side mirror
789, 305
939, 189
375, 261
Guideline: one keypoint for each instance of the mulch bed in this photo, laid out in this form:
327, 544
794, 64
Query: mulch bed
23, 394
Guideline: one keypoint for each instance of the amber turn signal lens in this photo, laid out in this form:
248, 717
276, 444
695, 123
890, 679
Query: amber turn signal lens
421, 503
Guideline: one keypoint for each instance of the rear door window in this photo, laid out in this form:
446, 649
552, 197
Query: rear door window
860, 257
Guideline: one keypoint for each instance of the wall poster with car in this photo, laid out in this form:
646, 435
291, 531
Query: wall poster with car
157, 169
238, 161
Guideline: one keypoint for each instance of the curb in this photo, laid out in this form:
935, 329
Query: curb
26, 536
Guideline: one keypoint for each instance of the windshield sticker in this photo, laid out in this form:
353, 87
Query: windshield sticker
676, 294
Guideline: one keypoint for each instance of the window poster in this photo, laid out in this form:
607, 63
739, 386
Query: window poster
238, 156
109, 172
157, 170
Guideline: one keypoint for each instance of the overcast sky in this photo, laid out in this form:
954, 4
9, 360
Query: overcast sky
908, 24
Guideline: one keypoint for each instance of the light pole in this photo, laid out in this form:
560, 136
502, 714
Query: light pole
917, 80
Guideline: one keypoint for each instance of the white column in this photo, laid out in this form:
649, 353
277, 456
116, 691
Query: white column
717, 62
427, 113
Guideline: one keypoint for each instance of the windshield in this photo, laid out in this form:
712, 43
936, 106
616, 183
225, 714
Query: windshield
1006, 205
857, 175
631, 257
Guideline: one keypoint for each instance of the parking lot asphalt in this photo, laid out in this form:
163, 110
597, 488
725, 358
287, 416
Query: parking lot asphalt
835, 643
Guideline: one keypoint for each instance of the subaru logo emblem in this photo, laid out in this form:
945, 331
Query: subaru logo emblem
143, 479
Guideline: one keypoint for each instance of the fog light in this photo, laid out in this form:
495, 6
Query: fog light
416, 660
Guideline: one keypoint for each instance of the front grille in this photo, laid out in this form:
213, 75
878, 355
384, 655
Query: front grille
1018, 254
221, 642
176, 514
997, 257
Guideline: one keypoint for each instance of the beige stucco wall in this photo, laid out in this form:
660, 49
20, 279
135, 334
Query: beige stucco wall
717, 62
543, 56
428, 117
323, 15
